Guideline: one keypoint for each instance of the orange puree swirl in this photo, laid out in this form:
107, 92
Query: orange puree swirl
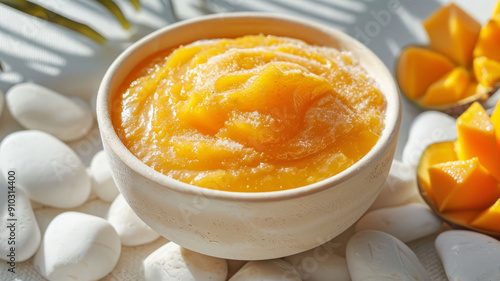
255, 113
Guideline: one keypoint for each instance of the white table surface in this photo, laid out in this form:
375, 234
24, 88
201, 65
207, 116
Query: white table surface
38, 51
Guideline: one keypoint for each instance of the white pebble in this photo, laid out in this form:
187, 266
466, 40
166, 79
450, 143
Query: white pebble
95, 207
173, 263
429, 127
39, 108
50, 171
317, 264
22, 234
131, 229
407, 222
102, 181
375, 255
267, 270
78, 246
399, 187
468, 255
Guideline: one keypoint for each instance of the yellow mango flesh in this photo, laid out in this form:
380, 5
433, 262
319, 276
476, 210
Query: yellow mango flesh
453, 32
487, 71
462, 185
489, 219
496, 10
449, 89
495, 120
461, 217
250, 114
489, 40
476, 138
434, 154
418, 68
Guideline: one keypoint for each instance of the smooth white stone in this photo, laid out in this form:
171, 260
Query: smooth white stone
95, 207
267, 270
92, 194
407, 222
131, 229
429, 127
78, 246
173, 263
399, 187
26, 238
468, 255
102, 180
375, 255
36, 107
317, 264
50, 171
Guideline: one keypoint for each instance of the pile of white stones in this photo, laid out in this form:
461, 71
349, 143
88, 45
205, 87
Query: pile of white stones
71, 236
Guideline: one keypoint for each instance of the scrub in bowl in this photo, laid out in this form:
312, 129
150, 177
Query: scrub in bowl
254, 147
251, 114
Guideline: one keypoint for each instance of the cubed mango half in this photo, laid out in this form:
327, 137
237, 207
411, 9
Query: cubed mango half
463, 185
453, 32
418, 68
476, 138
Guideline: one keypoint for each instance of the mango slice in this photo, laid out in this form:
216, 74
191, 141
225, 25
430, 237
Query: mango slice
476, 138
462, 185
489, 40
487, 71
489, 219
453, 32
418, 68
434, 154
449, 89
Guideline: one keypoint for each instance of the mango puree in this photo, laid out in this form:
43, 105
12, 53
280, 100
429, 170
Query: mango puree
255, 113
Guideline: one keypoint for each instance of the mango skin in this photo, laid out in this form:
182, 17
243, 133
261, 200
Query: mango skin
418, 68
453, 32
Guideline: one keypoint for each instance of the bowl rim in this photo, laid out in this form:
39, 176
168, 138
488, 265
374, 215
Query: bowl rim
392, 120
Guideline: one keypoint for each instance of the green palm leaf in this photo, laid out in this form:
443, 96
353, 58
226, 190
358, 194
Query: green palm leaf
136, 4
38, 11
115, 10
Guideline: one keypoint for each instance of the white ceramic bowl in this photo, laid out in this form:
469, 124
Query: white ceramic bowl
248, 226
